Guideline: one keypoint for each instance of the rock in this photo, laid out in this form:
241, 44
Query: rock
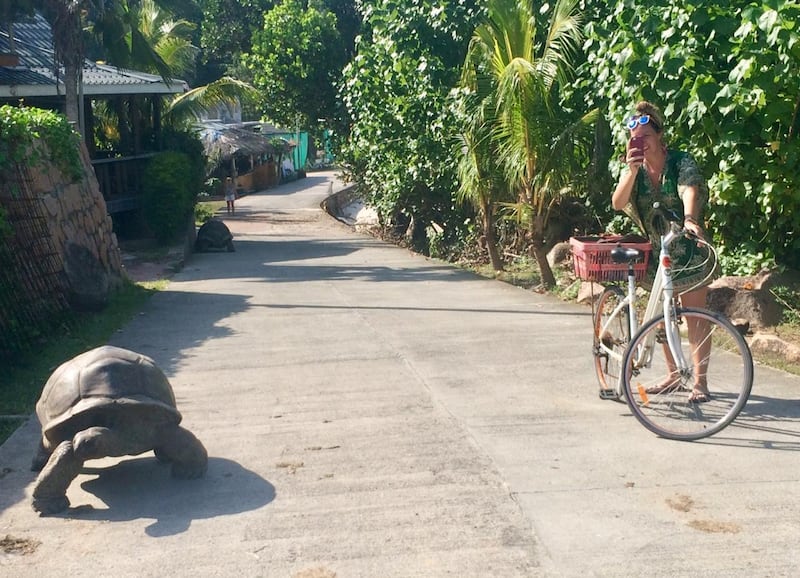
747, 298
589, 292
89, 282
741, 325
769, 343
560, 253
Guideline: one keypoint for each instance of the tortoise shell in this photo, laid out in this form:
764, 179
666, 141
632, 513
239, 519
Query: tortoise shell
214, 233
100, 380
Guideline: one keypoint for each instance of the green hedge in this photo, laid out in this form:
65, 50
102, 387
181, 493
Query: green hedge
168, 196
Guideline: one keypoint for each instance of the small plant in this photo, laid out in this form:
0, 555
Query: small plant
203, 212
211, 187
790, 300
743, 262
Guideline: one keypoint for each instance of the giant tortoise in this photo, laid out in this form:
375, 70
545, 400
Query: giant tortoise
107, 402
214, 234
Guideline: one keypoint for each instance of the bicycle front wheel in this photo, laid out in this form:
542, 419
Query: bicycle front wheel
611, 336
659, 395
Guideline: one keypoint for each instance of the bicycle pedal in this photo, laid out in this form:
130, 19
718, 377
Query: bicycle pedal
608, 394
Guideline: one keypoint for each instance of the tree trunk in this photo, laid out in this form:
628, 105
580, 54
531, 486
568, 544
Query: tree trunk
71, 79
487, 214
540, 251
65, 20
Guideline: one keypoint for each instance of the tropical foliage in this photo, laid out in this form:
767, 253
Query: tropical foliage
431, 148
727, 77
524, 59
295, 60
395, 92
168, 194
21, 127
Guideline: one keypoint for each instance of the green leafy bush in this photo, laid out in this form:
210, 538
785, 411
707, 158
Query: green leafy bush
189, 144
726, 76
167, 194
22, 126
203, 212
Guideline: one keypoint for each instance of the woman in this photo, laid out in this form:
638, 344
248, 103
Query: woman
671, 178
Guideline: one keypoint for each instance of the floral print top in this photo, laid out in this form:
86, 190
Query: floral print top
690, 263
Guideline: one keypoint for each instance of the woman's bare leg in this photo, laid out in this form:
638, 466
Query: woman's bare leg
700, 342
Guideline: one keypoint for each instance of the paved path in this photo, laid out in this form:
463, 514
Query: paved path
372, 413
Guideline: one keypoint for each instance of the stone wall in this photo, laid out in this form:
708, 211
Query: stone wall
76, 213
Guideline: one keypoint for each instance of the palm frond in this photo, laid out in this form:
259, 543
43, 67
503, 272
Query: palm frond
193, 104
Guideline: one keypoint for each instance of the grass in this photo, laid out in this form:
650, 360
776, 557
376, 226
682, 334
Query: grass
520, 272
21, 385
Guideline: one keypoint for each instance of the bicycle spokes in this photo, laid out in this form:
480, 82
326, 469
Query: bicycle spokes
660, 392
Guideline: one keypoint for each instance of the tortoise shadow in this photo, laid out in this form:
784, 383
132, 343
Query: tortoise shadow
143, 488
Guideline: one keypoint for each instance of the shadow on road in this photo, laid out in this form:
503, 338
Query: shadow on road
142, 488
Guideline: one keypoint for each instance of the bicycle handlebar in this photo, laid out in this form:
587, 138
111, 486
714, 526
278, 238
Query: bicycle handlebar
676, 230
676, 227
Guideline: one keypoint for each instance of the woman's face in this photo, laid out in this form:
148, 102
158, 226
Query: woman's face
652, 139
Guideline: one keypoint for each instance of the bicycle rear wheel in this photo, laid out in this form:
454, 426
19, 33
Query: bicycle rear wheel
611, 336
660, 399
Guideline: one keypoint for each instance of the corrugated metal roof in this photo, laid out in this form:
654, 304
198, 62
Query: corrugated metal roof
35, 74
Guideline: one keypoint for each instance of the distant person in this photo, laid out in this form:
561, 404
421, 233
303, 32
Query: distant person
230, 194
287, 167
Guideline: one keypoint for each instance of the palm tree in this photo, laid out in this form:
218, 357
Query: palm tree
478, 169
119, 32
164, 43
538, 143
65, 19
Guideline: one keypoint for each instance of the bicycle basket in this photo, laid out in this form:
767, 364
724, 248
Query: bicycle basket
591, 257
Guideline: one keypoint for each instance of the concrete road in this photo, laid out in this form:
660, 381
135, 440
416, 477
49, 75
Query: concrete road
372, 413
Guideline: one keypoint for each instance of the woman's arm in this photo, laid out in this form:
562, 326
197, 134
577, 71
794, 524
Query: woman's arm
634, 156
691, 208
622, 194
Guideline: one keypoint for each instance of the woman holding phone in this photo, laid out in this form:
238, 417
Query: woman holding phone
672, 179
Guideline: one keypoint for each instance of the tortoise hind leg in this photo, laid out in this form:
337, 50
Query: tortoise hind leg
50, 492
188, 456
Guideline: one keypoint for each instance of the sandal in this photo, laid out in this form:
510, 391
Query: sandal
666, 387
699, 396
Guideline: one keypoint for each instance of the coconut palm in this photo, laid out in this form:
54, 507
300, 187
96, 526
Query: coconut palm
478, 169
65, 18
538, 144
169, 38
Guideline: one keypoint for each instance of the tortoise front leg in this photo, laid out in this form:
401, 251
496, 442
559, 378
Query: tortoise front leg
40, 458
50, 492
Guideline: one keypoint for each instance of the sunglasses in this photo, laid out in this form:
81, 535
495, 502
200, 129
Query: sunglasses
640, 120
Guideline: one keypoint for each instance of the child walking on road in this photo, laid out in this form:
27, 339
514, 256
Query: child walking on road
230, 194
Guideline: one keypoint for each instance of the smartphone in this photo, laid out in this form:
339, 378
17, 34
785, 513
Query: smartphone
636, 143
636, 148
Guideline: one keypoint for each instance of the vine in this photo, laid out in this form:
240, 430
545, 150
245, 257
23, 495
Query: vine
22, 126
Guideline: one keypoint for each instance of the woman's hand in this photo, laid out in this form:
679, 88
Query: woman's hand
693, 227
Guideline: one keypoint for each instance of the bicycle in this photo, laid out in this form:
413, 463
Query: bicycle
646, 362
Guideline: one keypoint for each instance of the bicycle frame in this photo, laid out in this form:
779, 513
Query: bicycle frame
661, 294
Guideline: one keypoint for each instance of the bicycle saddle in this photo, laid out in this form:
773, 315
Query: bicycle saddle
621, 254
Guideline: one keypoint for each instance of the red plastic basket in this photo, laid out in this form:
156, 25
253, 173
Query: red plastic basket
591, 257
